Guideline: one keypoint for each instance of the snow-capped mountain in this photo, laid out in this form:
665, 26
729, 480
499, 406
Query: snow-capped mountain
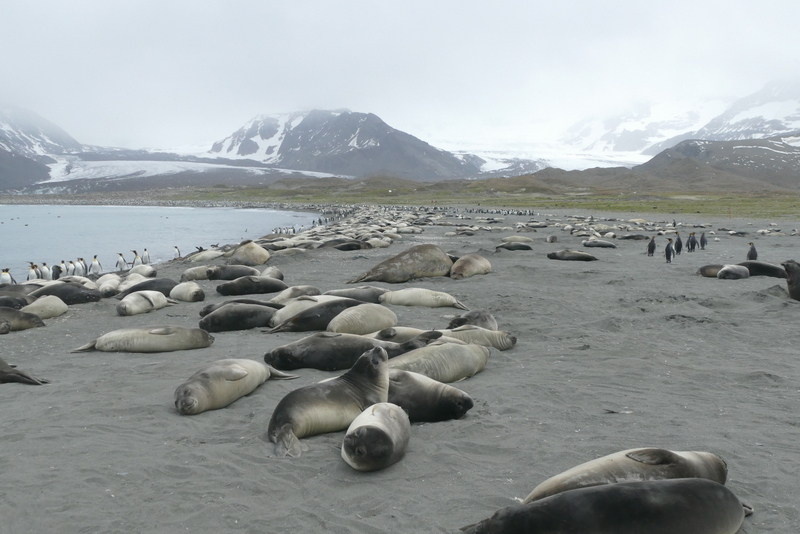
25, 133
341, 142
649, 129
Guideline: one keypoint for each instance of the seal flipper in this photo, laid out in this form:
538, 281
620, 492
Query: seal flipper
234, 373
287, 444
421, 340
460, 305
280, 375
654, 456
86, 348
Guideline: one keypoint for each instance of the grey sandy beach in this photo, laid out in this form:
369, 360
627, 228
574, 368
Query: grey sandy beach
624, 352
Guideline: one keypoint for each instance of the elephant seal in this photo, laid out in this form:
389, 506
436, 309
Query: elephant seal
143, 302
295, 306
187, 292
632, 465
365, 293
685, 505
426, 400
5, 326
46, 307
570, 255
469, 265
480, 318
221, 383
420, 261
293, 292
162, 285
362, 319
195, 273
446, 363
329, 406
710, 271
20, 320
248, 253
499, 339
792, 278
598, 243
418, 296
230, 272
211, 307
248, 285
17, 301
109, 287
513, 246
148, 271
316, 317
733, 272
150, 339
327, 351
237, 316
762, 268
9, 374
377, 438
70, 293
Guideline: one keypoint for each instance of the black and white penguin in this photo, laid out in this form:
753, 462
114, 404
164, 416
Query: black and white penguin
71, 268
6, 278
678, 243
83, 264
122, 265
669, 251
691, 243
703, 241
752, 255
80, 270
95, 268
177, 252
33, 274
651, 246
136, 259
146, 257
63, 268
44, 270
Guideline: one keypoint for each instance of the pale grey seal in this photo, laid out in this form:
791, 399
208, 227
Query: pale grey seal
150, 339
377, 438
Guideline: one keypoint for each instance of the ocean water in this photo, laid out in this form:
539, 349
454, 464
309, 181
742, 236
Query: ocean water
53, 233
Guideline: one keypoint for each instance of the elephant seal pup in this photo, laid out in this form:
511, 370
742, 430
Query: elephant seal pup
499, 339
377, 438
513, 246
685, 505
148, 271
327, 351
710, 271
570, 255
316, 317
762, 268
46, 307
469, 265
362, 319
632, 465
365, 293
248, 285
293, 292
733, 272
150, 339
426, 400
248, 253
162, 285
5, 326
418, 296
329, 406
295, 306
69, 292
20, 320
420, 261
211, 307
143, 302
598, 243
446, 363
792, 278
237, 316
221, 383
195, 273
481, 318
17, 301
230, 272
9, 374
187, 292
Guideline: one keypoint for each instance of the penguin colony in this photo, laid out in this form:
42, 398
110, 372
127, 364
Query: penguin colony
377, 227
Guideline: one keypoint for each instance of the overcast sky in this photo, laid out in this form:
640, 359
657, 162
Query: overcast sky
168, 73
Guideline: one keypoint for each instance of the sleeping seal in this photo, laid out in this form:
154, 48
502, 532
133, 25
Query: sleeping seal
426, 400
237, 316
632, 465
362, 319
446, 363
733, 272
150, 339
419, 261
419, 296
221, 383
329, 406
685, 505
377, 438
469, 265
571, 255
143, 302
9, 374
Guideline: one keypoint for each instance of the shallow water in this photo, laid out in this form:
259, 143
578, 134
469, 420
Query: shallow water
54, 233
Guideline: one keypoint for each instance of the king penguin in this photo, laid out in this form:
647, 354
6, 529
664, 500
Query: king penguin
6, 278
703, 241
80, 270
651, 246
45, 272
146, 257
122, 265
136, 259
752, 255
32, 274
669, 251
71, 269
96, 268
177, 252
678, 243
